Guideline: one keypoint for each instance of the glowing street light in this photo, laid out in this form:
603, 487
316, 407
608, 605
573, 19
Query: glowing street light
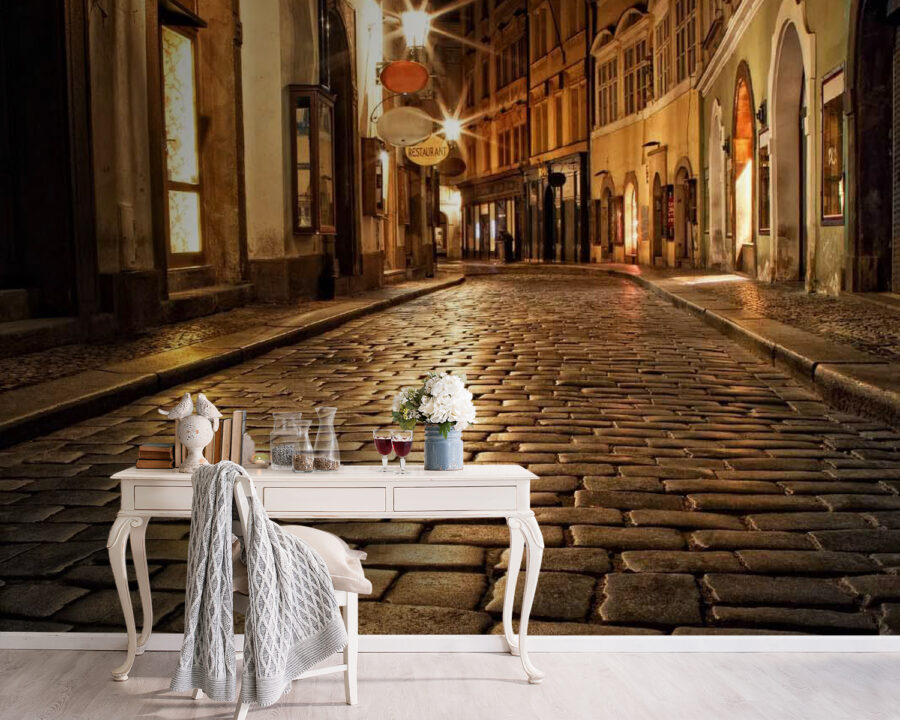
416, 24
452, 129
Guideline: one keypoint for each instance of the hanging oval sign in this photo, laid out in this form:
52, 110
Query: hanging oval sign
429, 152
404, 126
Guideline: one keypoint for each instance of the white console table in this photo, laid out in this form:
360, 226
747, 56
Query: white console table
353, 492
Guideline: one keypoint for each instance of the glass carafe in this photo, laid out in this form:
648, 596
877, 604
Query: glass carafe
328, 455
284, 439
304, 459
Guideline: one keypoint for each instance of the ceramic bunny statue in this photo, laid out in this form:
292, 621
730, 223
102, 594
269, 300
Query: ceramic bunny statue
194, 431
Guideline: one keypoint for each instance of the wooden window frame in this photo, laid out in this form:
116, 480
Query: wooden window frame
317, 96
183, 260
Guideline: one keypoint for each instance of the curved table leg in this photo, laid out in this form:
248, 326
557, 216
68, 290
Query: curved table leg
534, 542
117, 544
139, 556
516, 545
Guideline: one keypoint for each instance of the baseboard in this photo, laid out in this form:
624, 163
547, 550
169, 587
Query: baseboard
496, 643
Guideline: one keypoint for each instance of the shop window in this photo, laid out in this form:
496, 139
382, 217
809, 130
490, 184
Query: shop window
183, 188
833, 149
312, 150
631, 220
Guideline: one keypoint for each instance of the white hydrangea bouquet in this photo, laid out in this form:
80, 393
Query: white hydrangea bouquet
441, 400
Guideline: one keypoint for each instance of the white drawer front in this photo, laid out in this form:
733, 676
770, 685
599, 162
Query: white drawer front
160, 497
325, 499
443, 499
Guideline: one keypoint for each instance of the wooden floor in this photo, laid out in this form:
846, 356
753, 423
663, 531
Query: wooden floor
74, 685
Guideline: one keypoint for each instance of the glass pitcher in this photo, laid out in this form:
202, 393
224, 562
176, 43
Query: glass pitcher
327, 452
304, 459
284, 439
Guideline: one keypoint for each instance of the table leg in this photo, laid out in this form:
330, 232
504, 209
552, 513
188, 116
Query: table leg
534, 543
117, 544
139, 556
516, 545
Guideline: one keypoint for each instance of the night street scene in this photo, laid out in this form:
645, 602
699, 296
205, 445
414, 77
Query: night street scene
561, 326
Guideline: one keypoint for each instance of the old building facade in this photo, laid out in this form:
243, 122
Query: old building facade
798, 119
644, 141
495, 145
163, 159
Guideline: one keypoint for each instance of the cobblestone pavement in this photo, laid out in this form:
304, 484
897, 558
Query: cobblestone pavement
871, 327
685, 486
30, 368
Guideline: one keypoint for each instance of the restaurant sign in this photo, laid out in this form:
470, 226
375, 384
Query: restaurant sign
430, 151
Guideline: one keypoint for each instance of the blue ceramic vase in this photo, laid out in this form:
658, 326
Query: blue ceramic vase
443, 453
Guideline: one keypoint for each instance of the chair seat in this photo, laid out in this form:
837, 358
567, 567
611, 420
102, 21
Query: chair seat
342, 561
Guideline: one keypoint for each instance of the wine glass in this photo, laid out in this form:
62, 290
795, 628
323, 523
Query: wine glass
383, 446
402, 441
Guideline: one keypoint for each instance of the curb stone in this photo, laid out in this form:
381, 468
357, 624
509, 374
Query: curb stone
47, 406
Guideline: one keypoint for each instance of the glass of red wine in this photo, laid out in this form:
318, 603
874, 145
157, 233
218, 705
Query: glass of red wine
402, 442
383, 446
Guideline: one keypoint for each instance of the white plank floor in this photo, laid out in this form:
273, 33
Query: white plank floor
75, 685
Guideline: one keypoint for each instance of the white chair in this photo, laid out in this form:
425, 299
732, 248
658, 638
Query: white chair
347, 576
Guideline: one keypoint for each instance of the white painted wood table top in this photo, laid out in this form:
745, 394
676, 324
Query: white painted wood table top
352, 492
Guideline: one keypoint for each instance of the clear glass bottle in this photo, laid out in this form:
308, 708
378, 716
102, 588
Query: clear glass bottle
304, 459
328, 454
284, 439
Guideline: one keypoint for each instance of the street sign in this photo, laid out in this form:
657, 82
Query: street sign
430, 151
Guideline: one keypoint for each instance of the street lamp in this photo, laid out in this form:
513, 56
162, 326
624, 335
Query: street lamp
452, 129
416, 24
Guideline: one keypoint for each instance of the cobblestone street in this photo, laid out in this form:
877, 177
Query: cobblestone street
685, 485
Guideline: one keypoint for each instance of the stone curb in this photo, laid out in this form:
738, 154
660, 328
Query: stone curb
837, 383
47, 406
848, 379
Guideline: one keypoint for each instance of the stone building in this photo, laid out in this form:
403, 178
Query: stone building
645, 152
495, 66
557, 179
799, 109
162, 159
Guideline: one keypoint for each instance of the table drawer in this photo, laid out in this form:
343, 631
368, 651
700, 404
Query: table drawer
161, 497
444, 499
325, 499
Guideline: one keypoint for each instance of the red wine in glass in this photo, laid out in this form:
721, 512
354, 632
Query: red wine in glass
383, 446
402, 447
402, 441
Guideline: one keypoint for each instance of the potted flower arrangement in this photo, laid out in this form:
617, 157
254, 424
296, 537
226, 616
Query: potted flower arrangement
444, 405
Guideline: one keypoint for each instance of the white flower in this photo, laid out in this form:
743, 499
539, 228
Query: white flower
447, 400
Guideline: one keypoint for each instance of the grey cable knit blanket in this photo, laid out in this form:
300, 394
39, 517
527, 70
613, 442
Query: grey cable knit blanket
293, 620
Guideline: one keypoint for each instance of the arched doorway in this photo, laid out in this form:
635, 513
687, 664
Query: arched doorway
872, 265
718, 257
742, 152
631, 223
789, 157
659, 220
346, 248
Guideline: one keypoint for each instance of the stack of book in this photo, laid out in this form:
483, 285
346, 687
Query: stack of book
227, 443
156, 456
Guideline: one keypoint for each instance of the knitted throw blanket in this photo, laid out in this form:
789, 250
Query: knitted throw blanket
292, 621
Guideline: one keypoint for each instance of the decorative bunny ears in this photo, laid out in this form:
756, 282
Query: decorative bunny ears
185, 407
